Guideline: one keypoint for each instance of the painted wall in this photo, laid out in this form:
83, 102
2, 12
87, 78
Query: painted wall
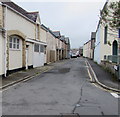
97, 53
1, 16
102, 49
87, 49
1, 54
43, 38
16, 22
51, 46
38, 59
30, 54
43, 35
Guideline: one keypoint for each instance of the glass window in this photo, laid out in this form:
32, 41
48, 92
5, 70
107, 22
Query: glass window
41, 48
105, 35
36, 47
14, 42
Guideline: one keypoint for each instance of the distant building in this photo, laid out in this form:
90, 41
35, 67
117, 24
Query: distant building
67, 40
88, 47
81, 51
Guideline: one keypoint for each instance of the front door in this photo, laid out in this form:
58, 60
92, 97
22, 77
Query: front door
115, 48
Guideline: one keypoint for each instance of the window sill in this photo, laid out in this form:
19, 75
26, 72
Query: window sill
14, 49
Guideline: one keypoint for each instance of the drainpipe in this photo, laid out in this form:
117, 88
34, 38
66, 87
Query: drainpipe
5, 41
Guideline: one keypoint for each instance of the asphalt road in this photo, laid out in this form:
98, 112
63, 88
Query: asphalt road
65, 89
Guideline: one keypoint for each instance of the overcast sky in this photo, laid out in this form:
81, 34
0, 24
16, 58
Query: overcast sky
75, 20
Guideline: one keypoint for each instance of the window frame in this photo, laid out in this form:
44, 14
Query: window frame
14, 43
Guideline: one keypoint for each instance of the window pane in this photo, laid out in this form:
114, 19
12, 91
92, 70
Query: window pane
14, 40
105, 35
41, 48
17, 41
17, 46
36, 48
10, 40
10, 45
14, 46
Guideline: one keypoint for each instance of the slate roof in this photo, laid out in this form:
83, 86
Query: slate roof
57, 34
44, 27
62, 38
31, 15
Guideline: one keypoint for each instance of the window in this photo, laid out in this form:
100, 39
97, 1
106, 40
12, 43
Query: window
105, 35
10, 42
44, 49
36, 48
41, 48
14, 42
105, 57
37, 31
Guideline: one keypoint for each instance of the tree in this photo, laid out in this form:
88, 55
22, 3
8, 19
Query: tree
111, 15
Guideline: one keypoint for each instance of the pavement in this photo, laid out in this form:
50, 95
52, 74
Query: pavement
103, 78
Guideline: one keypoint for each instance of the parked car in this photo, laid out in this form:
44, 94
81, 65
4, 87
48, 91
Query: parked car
73, 55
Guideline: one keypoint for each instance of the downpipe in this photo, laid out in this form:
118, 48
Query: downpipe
5, 42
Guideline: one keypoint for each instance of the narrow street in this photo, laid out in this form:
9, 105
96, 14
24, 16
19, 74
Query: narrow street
62, 90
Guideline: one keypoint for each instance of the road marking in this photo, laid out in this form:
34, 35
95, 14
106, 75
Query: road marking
96, 79
115, 95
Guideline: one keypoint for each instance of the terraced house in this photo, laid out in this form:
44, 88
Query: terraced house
20, 48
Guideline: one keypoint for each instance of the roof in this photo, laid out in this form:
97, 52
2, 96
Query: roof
57, 34
50, 31
44, 27
62, 38
67, 40
47, 29
31, 15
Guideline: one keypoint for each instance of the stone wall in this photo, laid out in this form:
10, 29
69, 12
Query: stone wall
1, 16
110, 67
